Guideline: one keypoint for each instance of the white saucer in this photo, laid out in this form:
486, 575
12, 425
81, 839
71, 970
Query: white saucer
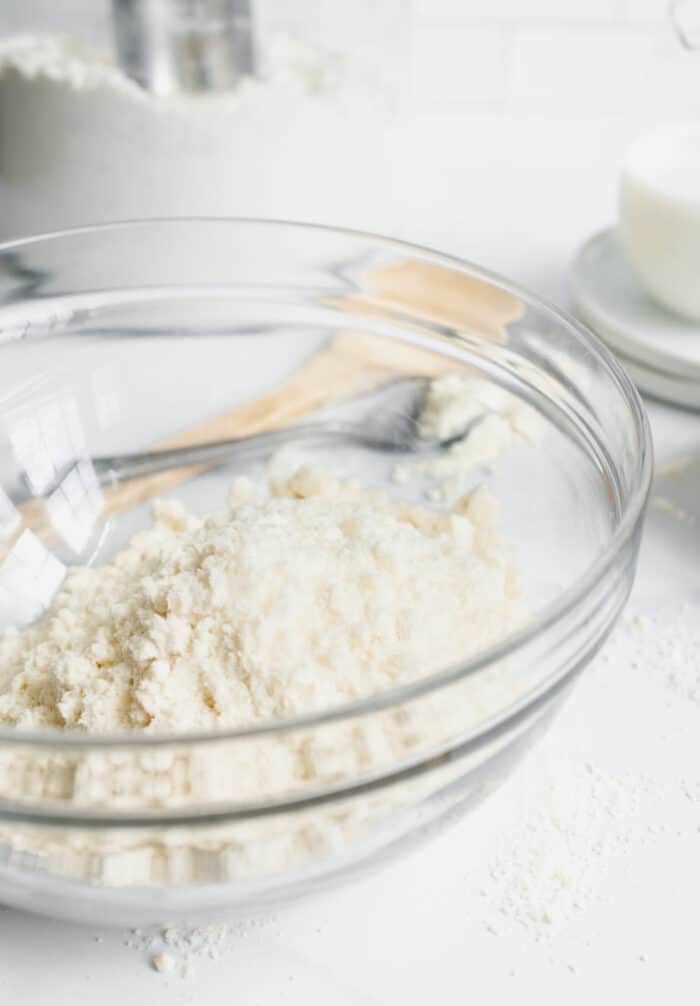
660, 350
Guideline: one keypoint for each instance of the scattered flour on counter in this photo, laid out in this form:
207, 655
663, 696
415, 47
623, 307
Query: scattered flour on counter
199, 941
574, 820
667, 644
492, 419
573, 827
172, 948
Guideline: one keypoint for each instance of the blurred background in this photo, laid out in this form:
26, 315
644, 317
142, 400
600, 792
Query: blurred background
512, 114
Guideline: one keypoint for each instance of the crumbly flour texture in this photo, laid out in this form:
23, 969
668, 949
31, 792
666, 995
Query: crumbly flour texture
285, 603
484, 422
304, 593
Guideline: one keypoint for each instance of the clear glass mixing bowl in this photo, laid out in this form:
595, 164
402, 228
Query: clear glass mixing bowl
114, 338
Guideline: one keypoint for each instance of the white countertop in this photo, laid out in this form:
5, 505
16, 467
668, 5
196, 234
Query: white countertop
518, 196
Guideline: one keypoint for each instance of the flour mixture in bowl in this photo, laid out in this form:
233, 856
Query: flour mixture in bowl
291, 601
227, 711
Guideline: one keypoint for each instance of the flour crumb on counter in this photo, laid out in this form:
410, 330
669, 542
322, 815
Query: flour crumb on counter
163, 962
179, 949
666, 644
572, 825
573, 822
552, 863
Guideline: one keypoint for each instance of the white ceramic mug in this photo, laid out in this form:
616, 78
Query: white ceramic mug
659, 224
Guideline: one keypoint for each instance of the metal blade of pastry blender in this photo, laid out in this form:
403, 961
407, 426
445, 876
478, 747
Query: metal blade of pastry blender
184, 46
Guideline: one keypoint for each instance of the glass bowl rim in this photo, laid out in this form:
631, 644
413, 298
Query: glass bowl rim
551, 614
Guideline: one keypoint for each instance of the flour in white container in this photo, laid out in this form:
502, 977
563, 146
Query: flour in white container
309, 139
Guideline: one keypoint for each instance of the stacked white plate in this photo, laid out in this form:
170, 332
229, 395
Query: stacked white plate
660, 350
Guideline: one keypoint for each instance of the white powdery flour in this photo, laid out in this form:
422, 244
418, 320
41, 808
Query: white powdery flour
574, 822
667, 644
80, 143
279, 606
492, 421
300, 596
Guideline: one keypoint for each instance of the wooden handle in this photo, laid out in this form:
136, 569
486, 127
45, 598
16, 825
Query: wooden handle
436, 293
353, 362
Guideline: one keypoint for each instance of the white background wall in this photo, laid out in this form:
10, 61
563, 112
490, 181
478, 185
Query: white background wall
530, 56
506, 98
581, 56
526, 108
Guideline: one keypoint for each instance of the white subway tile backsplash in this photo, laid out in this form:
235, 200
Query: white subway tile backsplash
522, 11
586, 68
455, 67
635, 11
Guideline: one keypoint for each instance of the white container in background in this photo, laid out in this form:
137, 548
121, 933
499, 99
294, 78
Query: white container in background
659, 225
308, 137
